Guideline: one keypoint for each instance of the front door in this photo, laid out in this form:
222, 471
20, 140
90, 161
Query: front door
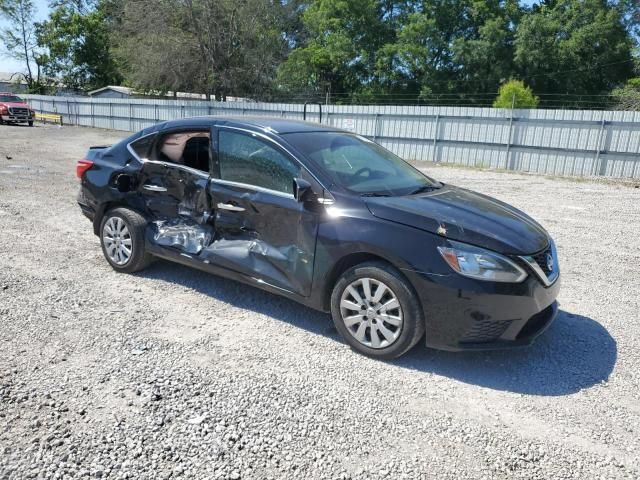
173, 182
262, 231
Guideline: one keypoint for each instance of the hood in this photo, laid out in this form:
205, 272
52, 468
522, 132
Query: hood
465, 216
15, 104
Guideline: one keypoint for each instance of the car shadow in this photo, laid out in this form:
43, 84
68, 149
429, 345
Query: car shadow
575, 353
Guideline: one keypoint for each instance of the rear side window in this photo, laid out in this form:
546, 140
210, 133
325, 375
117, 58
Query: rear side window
141, 146
188, 148
249, 160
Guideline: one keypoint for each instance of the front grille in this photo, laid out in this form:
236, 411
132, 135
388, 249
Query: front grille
485, 331
541, 260
18, 111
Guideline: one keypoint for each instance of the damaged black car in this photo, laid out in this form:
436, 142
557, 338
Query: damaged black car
330, 219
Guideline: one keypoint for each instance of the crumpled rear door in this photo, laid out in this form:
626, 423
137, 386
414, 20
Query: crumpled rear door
177, 201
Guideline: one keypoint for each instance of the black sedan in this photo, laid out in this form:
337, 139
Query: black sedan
330, 219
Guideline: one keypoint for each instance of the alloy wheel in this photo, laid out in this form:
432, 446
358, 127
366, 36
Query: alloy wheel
371, 312
117, 241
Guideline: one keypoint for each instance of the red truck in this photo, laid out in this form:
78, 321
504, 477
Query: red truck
15, 110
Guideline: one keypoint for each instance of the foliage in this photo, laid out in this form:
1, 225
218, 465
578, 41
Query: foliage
628, 97
352, 50
573, 46
340, 52
220, 47
515, 94
78, 44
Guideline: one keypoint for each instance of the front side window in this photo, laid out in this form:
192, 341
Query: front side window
244, 158
360, 165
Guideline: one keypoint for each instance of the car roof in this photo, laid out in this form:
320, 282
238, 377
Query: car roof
272, 125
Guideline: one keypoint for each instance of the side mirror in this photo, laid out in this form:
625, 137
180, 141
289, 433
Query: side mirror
302, 191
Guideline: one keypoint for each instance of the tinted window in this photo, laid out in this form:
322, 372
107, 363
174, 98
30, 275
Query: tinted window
247, 159
141, 146
358, 164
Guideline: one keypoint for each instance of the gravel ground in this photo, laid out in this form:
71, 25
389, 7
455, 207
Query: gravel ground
173, 373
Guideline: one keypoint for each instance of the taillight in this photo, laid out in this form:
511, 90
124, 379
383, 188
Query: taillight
83, 166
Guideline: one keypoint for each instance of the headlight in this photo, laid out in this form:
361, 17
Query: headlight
481, 264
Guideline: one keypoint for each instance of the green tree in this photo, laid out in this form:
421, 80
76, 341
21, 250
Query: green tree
628, 97
218, 47
78, 44
574, 46
515, 94
340, 52
18, 39
483, 56
462, 46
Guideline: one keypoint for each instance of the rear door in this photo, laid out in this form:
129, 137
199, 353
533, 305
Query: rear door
173, 182
261, 230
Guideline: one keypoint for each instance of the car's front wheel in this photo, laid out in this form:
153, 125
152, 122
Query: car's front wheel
376, 310
122, 240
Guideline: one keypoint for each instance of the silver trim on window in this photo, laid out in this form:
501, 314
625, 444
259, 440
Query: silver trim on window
324, 201
251, 187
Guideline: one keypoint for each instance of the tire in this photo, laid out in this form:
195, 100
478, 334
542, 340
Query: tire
114, 239
377, 333
31, 124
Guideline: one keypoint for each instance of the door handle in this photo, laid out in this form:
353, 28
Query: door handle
154, 188
231, 208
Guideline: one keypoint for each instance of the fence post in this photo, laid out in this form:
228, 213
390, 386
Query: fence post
130, 116
376, 127
600, 161
93, 117
507, 163
111, 115
436, 131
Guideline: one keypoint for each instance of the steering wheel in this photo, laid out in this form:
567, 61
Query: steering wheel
362, 171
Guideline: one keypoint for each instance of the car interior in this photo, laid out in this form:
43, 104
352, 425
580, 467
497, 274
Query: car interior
190, 149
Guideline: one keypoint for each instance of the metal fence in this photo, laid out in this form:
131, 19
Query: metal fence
555, 142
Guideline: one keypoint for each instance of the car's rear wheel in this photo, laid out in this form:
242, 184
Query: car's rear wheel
377, 311
122, 240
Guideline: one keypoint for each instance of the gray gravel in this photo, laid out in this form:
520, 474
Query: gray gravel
173, 373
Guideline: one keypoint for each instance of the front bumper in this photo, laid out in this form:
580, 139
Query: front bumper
466, 314
16, 118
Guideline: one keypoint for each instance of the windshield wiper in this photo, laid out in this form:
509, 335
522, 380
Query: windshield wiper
424, 189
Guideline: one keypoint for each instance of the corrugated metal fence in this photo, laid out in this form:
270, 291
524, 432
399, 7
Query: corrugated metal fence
556, 142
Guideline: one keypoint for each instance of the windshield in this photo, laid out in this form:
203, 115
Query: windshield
360, 165
10, 98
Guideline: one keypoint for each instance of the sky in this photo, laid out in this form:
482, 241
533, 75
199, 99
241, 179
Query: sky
9, 65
